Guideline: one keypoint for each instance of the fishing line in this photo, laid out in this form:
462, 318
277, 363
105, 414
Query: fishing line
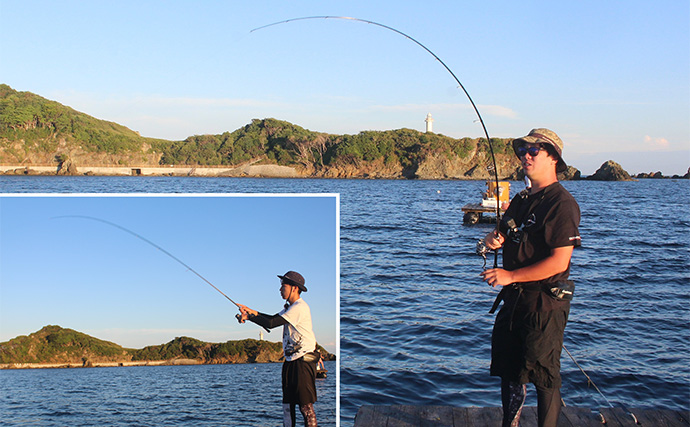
474, 106
590, 381
139, 236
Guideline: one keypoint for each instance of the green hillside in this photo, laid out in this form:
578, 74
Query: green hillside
34, 130
42, 124
56, 345
53, 344
283, 143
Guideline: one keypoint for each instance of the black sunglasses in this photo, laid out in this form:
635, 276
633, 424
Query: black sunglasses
533, 151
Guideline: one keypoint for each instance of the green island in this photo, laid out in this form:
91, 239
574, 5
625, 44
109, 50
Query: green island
57, 347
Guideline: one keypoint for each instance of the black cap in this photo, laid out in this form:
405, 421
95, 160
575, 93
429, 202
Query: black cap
295, 279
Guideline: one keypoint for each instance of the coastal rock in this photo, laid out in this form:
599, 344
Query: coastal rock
650, 175
474, 166
659, 175
571, 174
686, 176
376, 169
439, 166
477, 172
610, 171
20, 171
67, 167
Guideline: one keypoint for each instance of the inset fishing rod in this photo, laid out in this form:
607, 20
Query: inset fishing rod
476, 110
139, 236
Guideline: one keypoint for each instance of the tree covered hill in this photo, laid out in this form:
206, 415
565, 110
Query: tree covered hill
34, 130
53, 344
56, 345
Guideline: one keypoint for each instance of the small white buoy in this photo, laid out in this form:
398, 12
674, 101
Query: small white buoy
438, 191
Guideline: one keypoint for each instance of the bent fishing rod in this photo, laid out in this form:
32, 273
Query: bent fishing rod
139, 236
480, 251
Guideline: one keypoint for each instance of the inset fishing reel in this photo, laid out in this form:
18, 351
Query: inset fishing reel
239, 320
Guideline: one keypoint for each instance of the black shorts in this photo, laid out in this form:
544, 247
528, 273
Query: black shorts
530, 351
299, 379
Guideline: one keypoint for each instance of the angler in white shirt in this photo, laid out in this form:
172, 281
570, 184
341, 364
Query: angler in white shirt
299, 348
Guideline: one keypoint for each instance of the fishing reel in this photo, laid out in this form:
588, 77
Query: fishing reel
239, 319
482, 250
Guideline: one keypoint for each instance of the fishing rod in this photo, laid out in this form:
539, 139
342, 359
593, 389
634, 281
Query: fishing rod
139, 236
481, 250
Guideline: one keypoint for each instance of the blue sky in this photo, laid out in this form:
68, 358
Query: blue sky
97, 279
611, 78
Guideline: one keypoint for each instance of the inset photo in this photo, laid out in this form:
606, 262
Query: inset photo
214, 309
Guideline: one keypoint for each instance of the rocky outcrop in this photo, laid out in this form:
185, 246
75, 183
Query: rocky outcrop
25, 170
476, 166
67, 167
433, 166
659, 175
650, 175
52, 149
610, 171
571, 174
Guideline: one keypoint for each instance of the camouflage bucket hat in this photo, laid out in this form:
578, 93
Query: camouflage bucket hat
544, 136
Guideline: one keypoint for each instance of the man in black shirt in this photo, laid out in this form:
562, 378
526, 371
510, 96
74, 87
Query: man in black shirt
538, 233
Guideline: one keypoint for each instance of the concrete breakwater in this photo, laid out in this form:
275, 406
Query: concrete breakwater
259, 171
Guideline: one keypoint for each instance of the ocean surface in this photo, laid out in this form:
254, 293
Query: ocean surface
414, 325
200, 395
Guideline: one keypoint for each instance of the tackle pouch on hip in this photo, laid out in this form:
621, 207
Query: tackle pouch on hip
312, 357
561, 290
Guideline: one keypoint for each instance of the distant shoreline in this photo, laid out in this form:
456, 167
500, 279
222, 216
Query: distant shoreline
258, 171
247, 171
172, 362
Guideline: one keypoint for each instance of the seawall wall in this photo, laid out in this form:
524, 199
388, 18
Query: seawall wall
268, 171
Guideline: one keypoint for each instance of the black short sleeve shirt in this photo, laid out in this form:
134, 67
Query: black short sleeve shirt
548, 219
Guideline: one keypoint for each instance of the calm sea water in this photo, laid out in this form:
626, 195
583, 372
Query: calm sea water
415, 327
204, 395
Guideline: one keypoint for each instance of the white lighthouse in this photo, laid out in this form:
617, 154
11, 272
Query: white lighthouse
429, 123
261, 335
